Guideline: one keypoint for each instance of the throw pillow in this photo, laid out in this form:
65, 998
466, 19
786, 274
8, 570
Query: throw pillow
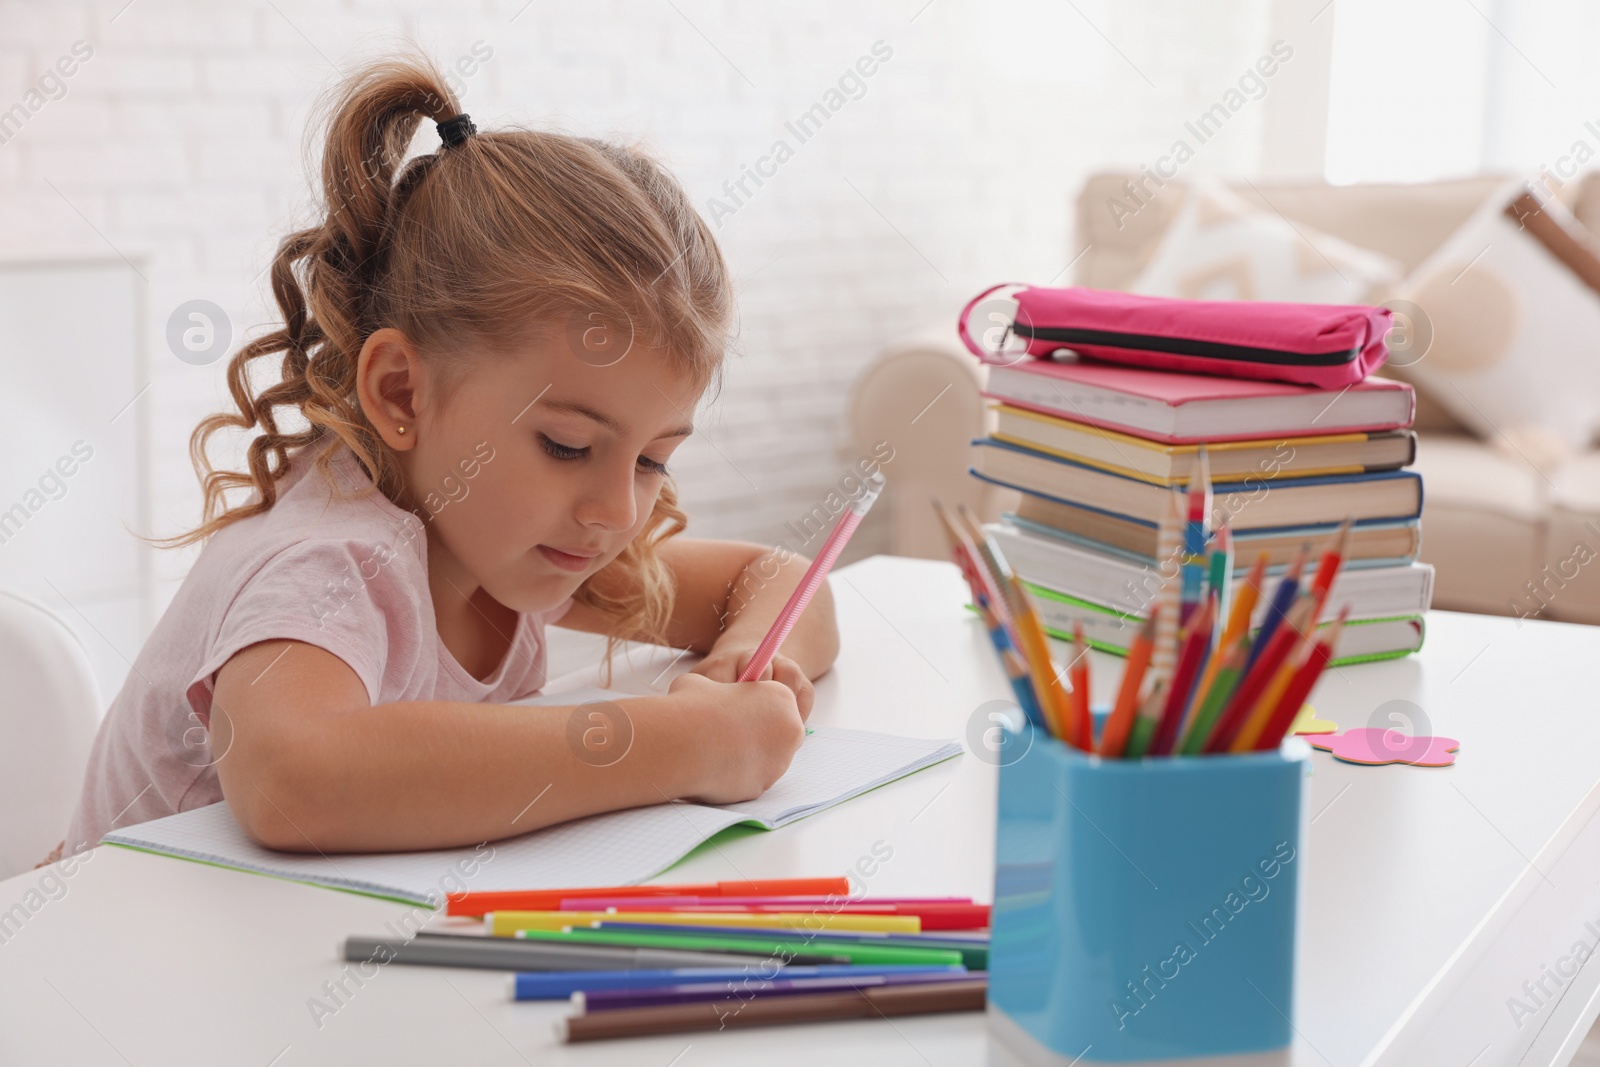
1515, 349
1221, 248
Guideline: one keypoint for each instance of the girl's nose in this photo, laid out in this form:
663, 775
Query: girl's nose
606, 499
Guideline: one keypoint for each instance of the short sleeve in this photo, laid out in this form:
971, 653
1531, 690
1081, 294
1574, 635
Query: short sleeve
360, 601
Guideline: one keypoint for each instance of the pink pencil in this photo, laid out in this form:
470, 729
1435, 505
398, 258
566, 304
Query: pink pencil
853, 514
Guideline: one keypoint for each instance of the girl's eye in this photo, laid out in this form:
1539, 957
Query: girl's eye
561, 451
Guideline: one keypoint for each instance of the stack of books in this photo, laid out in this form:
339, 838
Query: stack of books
1098, 449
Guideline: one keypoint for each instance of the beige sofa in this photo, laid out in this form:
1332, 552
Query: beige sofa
1502, 534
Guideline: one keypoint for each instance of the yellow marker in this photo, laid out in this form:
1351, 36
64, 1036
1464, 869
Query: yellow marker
507, 923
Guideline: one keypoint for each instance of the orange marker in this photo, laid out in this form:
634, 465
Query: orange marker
545, 899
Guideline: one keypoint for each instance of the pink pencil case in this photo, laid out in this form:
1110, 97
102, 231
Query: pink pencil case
1328, 346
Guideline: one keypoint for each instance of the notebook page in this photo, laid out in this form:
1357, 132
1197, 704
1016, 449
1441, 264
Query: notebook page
614, 848
835, 765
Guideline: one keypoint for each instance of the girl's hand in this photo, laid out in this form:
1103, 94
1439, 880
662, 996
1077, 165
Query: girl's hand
742, 735
727, 664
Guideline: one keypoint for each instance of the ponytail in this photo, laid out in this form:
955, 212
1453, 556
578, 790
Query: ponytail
322, 278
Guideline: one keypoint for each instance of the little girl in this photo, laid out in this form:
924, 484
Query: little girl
488, 360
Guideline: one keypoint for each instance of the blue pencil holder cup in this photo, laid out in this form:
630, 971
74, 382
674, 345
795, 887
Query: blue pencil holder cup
1146, 910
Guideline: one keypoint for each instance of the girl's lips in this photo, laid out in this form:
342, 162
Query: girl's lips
566, 560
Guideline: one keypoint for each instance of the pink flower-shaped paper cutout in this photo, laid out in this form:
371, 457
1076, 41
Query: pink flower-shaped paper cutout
1374, 745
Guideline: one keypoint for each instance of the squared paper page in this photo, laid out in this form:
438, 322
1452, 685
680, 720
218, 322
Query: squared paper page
614, 848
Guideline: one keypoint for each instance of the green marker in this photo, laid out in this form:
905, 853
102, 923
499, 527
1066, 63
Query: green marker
778, 946
974, 952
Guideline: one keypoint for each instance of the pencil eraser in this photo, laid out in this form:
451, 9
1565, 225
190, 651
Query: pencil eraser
511, 986
579, 1004
488, 922
560, 1027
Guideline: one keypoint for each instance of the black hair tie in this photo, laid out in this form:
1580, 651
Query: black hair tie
453, 131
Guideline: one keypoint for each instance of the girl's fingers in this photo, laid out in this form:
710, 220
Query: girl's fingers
789, 673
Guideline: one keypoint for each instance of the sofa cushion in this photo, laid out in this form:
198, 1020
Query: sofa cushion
1513, 327
1566, 584
1221, 248
1483, 523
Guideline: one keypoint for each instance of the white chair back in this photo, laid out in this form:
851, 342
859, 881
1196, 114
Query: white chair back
49, 710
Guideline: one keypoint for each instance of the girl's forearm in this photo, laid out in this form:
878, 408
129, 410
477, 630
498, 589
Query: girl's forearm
424, 775
759, 596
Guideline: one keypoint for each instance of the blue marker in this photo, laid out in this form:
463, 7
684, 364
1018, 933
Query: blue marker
560, 985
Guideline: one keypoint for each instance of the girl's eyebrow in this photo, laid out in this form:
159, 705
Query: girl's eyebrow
606, 420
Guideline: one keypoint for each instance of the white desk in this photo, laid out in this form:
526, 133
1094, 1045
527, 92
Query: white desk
1432, 895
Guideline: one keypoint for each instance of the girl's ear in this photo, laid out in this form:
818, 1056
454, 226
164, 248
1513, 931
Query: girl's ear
390, 379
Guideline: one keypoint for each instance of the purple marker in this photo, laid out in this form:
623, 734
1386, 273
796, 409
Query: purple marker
736, 993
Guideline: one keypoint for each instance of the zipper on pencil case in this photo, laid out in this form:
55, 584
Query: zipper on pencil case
1180, 346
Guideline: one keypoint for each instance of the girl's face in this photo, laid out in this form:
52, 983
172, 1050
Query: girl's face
538, 469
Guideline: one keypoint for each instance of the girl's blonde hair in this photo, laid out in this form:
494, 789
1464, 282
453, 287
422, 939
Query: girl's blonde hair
474, 245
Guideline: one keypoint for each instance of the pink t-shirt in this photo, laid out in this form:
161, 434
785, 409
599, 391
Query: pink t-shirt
347, 574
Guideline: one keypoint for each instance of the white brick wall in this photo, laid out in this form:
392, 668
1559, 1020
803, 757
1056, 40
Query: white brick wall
179, 142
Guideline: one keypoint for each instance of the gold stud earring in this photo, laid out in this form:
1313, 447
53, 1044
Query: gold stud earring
401, 430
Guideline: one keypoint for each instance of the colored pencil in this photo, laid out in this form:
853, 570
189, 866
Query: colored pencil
1052, 695
560, 985
1219, 578
1328, 567
1204, 719
597, 1000
1257, 676
815, 575
1294, 697
1195, 537
506, 923
1197, 637
1282, 600
1114, 735
544, 899
782, 943
1245, 606
1083, 723
996, 620
1256, 721
1144, 724
1169, 568
870, 1002
1238, 626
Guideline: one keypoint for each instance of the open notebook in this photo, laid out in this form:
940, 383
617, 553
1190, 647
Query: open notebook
616, 848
